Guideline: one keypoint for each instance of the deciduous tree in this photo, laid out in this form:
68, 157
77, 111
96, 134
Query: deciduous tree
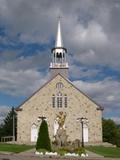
111, 132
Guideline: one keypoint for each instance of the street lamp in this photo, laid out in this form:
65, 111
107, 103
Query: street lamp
41, 117
82, 120
13, 124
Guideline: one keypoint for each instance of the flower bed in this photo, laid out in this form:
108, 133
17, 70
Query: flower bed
63, 152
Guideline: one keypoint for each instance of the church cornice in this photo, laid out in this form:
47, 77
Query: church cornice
58, 48
18, 109
59, 68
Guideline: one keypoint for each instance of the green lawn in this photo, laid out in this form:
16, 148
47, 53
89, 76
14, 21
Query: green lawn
14, 147
105, 151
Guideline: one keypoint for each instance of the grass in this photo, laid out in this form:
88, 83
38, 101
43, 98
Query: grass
15, 148
105, 151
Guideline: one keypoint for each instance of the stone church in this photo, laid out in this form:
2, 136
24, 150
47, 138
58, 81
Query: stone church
62, 105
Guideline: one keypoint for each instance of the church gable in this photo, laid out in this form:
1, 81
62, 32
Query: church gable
55, 87
59, 95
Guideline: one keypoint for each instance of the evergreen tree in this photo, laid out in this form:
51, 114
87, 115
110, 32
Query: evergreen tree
43, 141
6, 129
1, 130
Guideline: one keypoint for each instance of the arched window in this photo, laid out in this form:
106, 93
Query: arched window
59, 85
56, 126
65, 101
59, 100
85, 132
53, 101
34, 132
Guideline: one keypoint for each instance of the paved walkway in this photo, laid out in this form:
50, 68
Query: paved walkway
30, 152
93, 155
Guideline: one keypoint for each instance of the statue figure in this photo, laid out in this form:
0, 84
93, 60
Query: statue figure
61, 136
61, 119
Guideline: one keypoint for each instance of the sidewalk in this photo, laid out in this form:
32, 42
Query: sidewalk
93, 155
30, 152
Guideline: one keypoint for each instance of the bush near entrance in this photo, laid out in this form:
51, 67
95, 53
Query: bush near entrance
43, 141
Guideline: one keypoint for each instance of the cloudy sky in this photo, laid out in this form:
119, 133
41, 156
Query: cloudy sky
91, 33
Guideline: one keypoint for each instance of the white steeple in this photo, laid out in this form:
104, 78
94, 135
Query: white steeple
59, 42
59, 62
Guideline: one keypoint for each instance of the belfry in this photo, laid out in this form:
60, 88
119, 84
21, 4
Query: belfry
59, 62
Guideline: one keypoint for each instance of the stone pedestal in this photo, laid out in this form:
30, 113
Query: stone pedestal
61, 137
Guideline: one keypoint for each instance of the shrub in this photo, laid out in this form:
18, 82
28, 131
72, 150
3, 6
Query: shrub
80, 150
63, 150
43, 141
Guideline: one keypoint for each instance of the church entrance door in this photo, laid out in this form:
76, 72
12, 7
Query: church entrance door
85, 133
34, 133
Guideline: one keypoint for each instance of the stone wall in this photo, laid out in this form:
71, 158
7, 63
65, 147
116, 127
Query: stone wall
79, 105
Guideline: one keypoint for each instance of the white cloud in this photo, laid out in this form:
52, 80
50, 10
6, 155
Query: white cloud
90, 36
22, 82
21, 76
110, 98
3, 112
10, 60
116, 119
87, 57
105, 92
82, 72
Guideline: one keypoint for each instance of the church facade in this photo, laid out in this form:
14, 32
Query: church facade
62, 104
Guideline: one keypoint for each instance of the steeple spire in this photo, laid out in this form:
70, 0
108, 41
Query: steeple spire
59, 42
59, 62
